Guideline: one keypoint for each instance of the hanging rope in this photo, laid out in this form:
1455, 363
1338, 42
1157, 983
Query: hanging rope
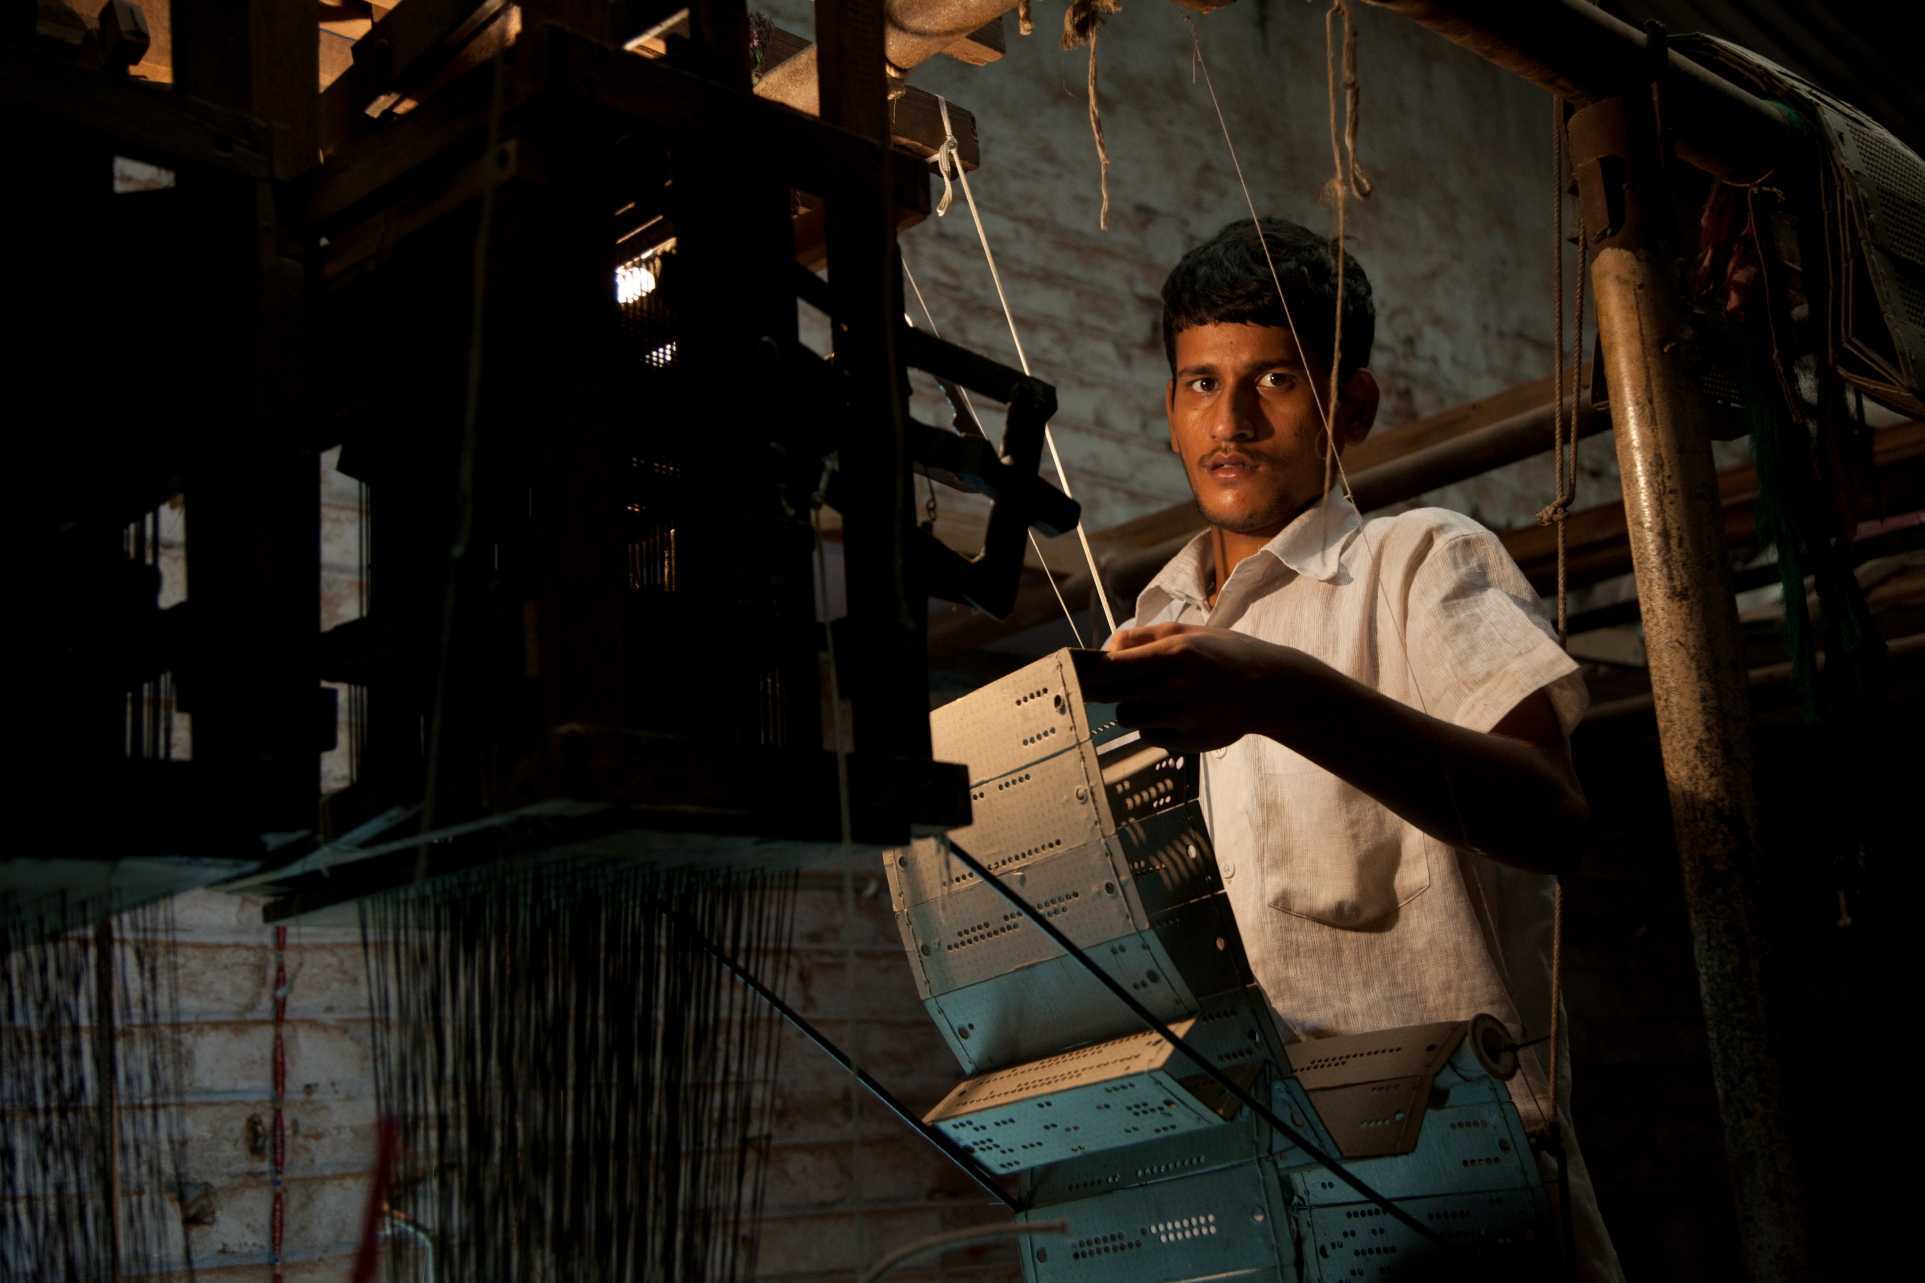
1350, 171
1348, 180
1080, 24
946, 156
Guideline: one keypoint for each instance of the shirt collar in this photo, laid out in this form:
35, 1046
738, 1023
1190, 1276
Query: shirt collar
1312, 544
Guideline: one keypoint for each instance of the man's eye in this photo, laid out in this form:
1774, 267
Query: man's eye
1204, 385
1280, 379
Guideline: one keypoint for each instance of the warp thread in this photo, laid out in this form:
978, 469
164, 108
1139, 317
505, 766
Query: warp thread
1081, 21
277, 1215
581, 1089
93, 1141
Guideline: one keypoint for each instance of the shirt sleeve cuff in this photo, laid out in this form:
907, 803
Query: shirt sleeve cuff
1546, 669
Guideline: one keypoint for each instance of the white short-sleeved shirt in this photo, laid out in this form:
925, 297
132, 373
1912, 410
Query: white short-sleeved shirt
1354, 919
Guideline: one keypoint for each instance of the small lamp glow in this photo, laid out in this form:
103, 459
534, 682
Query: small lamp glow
633, 281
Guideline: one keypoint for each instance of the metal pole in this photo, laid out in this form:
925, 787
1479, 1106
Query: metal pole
1696, 661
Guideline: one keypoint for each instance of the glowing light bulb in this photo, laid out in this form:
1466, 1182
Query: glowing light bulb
633, 281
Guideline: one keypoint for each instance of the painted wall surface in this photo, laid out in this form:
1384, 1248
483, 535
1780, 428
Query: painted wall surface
1457, 239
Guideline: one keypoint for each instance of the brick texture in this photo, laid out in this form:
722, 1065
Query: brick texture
1457, 238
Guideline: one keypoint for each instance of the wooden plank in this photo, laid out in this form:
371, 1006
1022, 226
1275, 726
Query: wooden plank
287, 76
980, 47
800, 152
605, 21
915, 122
156, 65
395, 43
253, 509
336, 56
335, 45
365, 166
137, 119
482, 37
368, 239
811, 231
349, 27
887, 606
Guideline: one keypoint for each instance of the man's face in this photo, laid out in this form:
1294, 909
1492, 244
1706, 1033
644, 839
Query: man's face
1245, 423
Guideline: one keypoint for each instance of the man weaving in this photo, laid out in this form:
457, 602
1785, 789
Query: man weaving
1381, 708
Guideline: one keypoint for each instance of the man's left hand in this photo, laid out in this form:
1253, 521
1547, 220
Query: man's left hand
1190, 689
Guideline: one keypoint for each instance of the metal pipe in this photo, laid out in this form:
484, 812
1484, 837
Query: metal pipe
1471, 455
913, 32
1578, 51
1692, 638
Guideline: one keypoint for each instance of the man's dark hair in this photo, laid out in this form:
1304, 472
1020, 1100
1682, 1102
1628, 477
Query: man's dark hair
1226, 280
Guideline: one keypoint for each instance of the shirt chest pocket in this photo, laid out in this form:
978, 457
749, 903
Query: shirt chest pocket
1331, 854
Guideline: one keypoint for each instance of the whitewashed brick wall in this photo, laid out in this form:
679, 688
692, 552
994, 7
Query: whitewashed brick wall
1457, 239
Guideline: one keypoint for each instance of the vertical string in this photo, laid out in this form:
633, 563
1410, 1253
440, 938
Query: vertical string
277, 1216
946, 157
1069, 616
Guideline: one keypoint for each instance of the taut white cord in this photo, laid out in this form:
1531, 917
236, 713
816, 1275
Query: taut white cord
1068, 614
946, 158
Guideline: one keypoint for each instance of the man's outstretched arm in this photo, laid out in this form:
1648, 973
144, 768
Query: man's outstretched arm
1509, 793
